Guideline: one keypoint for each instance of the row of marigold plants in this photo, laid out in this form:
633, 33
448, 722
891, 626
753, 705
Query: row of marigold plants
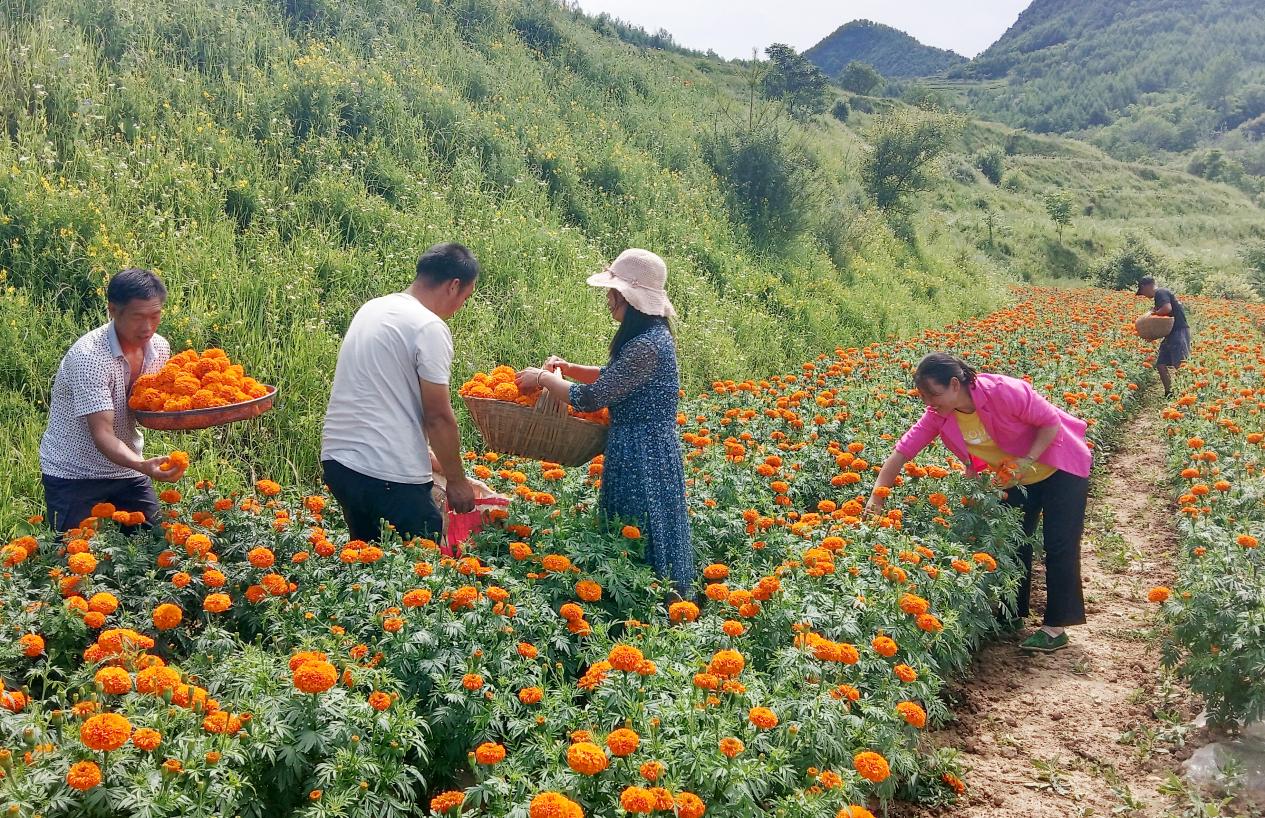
246, 658
1214, 615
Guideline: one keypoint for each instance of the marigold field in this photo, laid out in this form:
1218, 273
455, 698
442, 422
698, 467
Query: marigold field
246, 659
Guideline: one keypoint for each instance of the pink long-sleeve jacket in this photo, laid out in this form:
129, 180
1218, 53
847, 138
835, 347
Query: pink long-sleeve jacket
1012, 412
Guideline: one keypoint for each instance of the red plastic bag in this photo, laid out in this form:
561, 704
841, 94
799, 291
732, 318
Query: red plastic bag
462, 525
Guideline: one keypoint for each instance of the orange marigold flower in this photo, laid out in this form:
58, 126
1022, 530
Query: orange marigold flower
630, 532
83, 563
217, 603
905, 673
447, 801
489, 753
557, 563
554, 805
625, 657
912, 713
683, 611
689, 805
105, 732
315, 676
586, 758
726, 664
1158, 594
83, 775
930, 623
731, 747
261, 557
267, 488
762, 717
623, 742
571, 612
114, 680
147, 739
854, 811
588, 590
914, 605
733, 628
637, 800
379, 701
416, 598
652, 771
1247, 541
954, 783
716, 571
872, 766
884, 646
472, 682
167, 616
531, 695
32, 645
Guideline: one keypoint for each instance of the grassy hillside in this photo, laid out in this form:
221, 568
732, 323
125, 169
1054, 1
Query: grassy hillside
892, 52
282, 163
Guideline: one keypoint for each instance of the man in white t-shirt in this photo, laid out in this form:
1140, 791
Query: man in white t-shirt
390, 406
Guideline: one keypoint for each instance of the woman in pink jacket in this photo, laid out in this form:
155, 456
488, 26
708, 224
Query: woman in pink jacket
1002, 423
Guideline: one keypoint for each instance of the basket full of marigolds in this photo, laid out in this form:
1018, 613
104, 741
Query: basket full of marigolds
198, 390
534, 426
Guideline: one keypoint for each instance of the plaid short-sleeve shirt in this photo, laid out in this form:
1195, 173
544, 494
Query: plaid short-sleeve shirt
93, 377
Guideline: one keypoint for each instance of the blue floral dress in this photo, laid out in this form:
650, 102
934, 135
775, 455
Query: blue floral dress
643, 479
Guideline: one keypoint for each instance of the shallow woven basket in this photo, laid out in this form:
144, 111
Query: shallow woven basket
1154, 327
541, 432
205, 418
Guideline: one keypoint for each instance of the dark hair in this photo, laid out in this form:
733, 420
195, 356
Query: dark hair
446, 261
1145, 280
635, 322
134, 284
941, 367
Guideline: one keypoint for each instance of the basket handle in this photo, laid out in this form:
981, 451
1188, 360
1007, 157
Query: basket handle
547, 404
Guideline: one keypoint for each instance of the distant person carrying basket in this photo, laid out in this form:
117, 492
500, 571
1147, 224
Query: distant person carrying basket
1175, 348
643, 478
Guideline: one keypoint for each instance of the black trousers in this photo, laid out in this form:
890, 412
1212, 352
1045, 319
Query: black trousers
1058, 502
69, 501
367, 501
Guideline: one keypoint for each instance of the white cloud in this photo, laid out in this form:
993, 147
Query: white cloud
734, 28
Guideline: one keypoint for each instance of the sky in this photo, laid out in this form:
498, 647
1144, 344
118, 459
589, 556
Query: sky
732, 28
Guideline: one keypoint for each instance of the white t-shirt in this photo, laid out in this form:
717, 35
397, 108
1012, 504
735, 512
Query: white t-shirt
374, 421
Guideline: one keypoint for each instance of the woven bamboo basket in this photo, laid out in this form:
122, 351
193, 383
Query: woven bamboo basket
1153, 327
541, 432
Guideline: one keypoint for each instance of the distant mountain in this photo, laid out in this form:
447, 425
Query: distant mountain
1165, 73
891, 52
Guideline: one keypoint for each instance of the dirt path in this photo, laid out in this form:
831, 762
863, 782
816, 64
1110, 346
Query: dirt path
1087, 730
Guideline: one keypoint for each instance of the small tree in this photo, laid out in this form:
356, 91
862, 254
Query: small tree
1254, 257
860, 78
992, 163
904, 148
840, 110
799, 84
1059, 207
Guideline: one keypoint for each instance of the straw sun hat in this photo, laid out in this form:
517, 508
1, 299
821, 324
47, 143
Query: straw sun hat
639, 276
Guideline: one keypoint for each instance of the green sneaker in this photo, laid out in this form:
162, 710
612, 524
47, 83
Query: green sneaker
1042, 642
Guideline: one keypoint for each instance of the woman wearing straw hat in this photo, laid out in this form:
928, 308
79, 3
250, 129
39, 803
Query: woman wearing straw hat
643, 479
